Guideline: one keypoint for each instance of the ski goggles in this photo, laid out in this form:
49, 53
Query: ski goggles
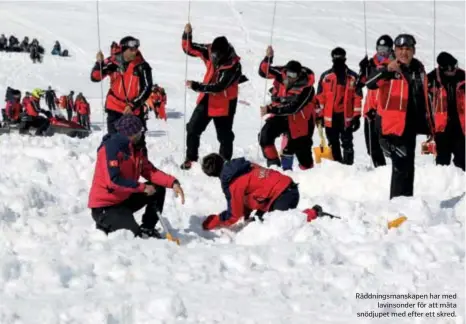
291, 74
383, 50
133, 43
448, 68
405, 40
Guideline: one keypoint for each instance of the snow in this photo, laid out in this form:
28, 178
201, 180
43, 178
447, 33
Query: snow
56, 268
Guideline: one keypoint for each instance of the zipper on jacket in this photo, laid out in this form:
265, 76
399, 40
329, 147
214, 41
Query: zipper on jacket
389, 95
401, 97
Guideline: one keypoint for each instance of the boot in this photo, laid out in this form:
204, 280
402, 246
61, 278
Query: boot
287, 162
146, 233
348, 157
186, 165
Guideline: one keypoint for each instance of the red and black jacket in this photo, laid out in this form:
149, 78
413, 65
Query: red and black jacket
249, 187
403, 103
447, 98
296, 103
130, 83
220, 83
13, 110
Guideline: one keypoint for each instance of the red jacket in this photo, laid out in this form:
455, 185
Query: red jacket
372, 95
117, 172
220, 84
336, 97
249, 187
393, 99
157, 101
440, 99
82, 107
130, 83
296, 103
32, 107
13, 110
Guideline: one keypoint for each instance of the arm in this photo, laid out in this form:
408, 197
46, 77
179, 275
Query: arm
154, 175
378, 77
273, 71
320, 96
194, 49
145, 85
235, 206
107, 67
357, 102
111, 151
227, 78
295, 105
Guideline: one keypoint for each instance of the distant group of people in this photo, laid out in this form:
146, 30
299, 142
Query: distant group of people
35, 50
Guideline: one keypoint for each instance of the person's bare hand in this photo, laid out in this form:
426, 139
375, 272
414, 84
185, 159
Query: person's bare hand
178, 192
149, 189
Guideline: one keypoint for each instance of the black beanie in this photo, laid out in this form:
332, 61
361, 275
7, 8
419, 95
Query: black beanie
293, 66
338, 51
220, 45
445, 59
212, 164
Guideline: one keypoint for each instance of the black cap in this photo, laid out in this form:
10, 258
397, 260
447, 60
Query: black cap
385, 40
293, 66
338, 52
446, 60
212, 164
220, 45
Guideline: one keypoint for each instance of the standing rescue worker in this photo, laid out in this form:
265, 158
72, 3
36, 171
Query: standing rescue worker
446, 87
291, 108
403, 111
218, 94
340, 106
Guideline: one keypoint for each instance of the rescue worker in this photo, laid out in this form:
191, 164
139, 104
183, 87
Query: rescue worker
403, 111
446, 88
218, 94
116, 193
339, 106
384, 54
32, 118
292, 109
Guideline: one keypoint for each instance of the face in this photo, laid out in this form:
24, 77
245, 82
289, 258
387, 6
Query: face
136, 137
291, 77
130, 54
404, 54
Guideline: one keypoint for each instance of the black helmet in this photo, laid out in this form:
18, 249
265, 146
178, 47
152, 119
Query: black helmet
385, 40
338, 52
129, 42
405, 40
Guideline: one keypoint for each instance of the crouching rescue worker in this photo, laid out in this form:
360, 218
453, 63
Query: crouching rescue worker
248, 187
403, 111
446, 86
116, 193
31, 118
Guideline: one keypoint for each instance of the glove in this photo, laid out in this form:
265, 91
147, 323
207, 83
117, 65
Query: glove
211, 222
364, 64
371, 114
195, 86
355, 124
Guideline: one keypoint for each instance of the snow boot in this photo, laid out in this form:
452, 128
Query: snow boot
287, 162
146, 233
186, 165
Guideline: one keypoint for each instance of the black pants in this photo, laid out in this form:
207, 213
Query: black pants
198, 124
301, 146
38, 122
402, 152
338, 132
84, 120
288, 199
69, 112
113, 218
113, 116
51, 105
374, 150
451, 141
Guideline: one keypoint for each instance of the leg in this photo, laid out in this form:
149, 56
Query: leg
195, 127
458, 149
377, 154
273, 128
154, 206
402, 182
333, 137
288, 199
114, 218
302, 148
112, 117
443, 146
347, 144
225, 135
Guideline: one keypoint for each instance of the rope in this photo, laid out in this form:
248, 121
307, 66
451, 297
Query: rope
104, 124
186, 88
267, 74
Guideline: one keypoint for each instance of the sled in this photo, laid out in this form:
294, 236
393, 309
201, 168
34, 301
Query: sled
322, 151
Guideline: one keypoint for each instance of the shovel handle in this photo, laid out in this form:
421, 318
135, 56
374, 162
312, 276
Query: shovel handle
323, 143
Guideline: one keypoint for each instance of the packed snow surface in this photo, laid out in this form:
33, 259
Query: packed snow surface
55, 267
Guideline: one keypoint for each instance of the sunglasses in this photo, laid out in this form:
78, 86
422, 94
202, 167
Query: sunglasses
448, 68
383, 50
405, 41
133, 44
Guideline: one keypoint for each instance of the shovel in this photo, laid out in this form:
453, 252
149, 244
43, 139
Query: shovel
322, 151
168, 235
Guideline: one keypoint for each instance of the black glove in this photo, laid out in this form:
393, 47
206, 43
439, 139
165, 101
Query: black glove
195, 86
364, 65
355, 124
371, 114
